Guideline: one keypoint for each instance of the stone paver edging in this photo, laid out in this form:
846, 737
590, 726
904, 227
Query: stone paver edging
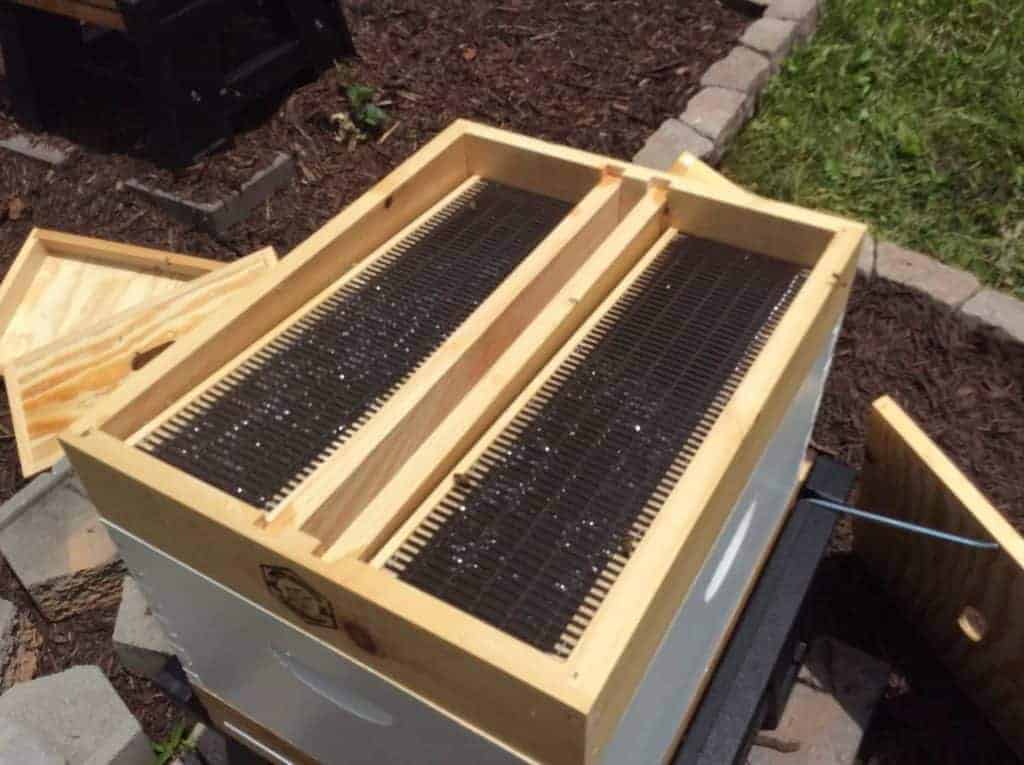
728, 99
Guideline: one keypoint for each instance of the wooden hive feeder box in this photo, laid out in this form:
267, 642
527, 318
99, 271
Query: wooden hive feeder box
391, 413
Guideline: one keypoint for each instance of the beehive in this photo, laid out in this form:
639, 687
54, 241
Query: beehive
503, 513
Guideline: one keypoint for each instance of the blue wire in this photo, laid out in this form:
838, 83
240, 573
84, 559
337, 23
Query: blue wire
912, 527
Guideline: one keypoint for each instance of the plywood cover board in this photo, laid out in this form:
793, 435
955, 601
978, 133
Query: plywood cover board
54, 287
55, 385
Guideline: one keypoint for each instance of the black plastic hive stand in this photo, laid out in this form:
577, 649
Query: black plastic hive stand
191, 80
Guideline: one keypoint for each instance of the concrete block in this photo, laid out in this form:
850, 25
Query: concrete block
139, 640
23, 745
33, 148
669, 141
218, 217
743, 70
947, 285
803, 13
998, 310
54, 542
772, 38
866, 259
718, 114
80, 716
829, 710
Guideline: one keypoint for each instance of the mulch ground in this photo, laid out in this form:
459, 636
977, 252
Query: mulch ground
595, 75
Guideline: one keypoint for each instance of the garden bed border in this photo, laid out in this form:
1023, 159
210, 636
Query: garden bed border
728, 99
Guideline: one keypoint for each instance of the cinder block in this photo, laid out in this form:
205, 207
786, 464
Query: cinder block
139, 640
743, 70
947, 285
218, 217
866, 259
718, 114
22, 745
669, 141
79, 716
52, 537
804, 13
772, 38
998, 310
829, 710
35, 149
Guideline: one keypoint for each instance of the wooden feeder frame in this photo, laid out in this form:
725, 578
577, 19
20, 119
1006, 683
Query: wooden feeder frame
333, 527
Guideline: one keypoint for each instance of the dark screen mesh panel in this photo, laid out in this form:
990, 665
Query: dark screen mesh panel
532, 536
268, 424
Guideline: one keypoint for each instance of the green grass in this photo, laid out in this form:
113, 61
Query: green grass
908, 115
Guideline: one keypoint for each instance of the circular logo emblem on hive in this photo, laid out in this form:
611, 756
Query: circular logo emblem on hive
312, 607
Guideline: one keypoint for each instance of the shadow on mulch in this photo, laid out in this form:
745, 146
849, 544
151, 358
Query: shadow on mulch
923, 718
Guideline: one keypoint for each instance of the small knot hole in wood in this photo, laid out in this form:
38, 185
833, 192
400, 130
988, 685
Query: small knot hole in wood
140, 359
973, 624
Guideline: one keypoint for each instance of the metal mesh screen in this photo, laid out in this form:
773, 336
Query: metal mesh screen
265, 427
532, 536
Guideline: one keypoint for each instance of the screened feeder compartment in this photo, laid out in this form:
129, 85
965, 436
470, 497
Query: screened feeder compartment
453, 478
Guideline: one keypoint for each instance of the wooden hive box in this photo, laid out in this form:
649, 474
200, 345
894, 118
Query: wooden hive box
338, 527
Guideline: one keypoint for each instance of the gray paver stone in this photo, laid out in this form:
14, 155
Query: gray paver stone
743, 70
804, 13
139, 640
773, 38
58, 548
829, 708
866, 259
718, 114
218, 217
29, 147
669, 141
999, 310
949, 286
80, 716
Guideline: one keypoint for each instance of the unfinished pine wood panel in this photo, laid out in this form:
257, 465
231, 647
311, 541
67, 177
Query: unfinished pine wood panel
59, 282
967, 602
53, 386
547, 707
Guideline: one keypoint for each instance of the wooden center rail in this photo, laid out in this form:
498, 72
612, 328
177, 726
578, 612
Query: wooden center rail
333, 529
